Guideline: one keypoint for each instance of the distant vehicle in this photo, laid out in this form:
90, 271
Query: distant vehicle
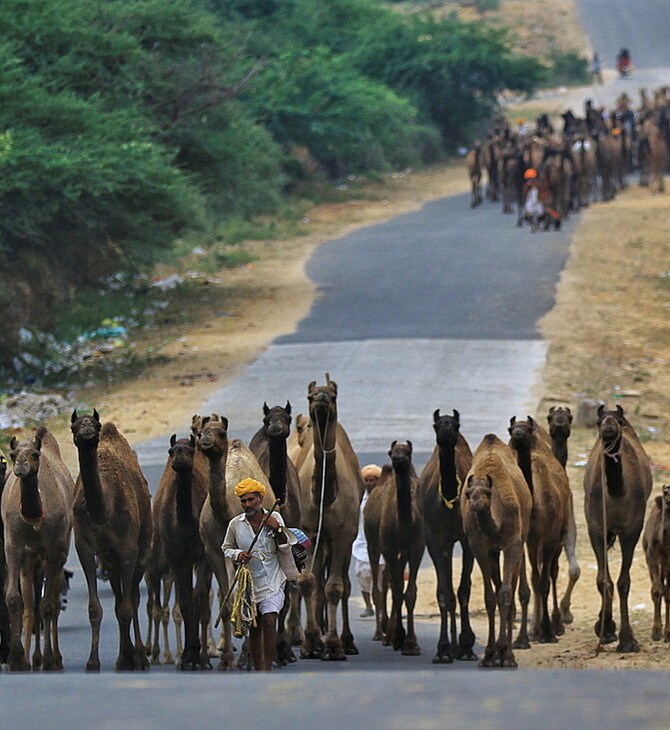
623, 62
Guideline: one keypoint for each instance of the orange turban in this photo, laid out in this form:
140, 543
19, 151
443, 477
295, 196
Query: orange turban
371, 470
530, 172
249, 485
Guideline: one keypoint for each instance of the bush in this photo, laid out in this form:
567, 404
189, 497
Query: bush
568, 69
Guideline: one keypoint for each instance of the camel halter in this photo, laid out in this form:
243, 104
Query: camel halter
450, 503
325, 452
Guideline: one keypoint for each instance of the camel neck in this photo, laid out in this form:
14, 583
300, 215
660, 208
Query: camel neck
614, 468
449, 484
325, 477
217, 489
525, 462
487, 524
559, 446
31, 502
184, 497
403, 484
90, 478
278, 467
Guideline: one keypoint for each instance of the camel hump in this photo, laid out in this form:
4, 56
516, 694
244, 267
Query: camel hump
490, 439
110, 432
49, 442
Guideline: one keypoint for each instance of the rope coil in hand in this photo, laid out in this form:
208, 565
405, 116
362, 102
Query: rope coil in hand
243, 614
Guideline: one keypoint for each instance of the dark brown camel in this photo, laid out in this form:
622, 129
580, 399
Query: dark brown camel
560, 426
656, 543
549, 520
4, 613
440, 487
496, 505
112, 520
37, 519
473, 163
618, 469
399, 537
178, 503
269, 446
331, 488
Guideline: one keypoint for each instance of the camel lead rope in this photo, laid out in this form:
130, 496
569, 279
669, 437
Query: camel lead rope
243, 614
606, 588
323, 493
449, 503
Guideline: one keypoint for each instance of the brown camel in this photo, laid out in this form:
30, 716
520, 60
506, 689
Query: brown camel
160, 583
398, 535
549, 520
37, 519
112, 520
4, 613
269, 446
473, 163
229, 461
440, 487
560, 426
299, 441
178, 502
496, 506
618, 470
332, 488
656, 543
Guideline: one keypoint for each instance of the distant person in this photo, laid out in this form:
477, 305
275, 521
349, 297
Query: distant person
623, 62
596, 70
359, 549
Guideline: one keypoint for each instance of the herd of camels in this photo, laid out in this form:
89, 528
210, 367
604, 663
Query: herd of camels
588, 160
506, 503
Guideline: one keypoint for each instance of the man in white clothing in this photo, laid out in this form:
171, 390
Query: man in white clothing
263, 562
359, 550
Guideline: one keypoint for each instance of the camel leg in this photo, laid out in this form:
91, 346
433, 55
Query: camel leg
484, 561
410, 645
183, 574
141, 661
218, 564
155, 611
556, 622
17, 657
28, 590
346, 637
605, 587
294, 625
201, 591
627, 642
168, 583
178, 623
396, 633
546, 630
442, 557
573, 567
378, 596
657, 592
333, 593
513, 558
50, 609
466, 639
87, 560
121, 577
522, 641
666, 595
150, 614
534, 560
310, 584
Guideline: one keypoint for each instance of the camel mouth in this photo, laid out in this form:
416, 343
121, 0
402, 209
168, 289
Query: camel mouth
276, 430
21, 470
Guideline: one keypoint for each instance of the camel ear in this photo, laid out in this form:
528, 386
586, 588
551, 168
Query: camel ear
619, 410
288, 407
173, 440
468, 481
12, 443
333, 386
411, 448
37, 443
551, 410
600, 411
436, 415
96, 416
532, 423
191, 441
204, 420
457, 416
224, 422
74, 416
569, 415
311, 387
512, 421
489, 481
266, 410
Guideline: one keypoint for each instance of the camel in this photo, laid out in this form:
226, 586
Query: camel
549, 520
656, 543
496, 506
617, 484
229, 461
160, 583
560, 425
112, 520
332, 488
4, 613
299, 440
398, 536
440, 486
269, 446
178, 502
473, 163
654, 144
37, 518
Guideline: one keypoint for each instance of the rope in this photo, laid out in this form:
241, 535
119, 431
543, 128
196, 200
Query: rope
449, 503
243, 614
325, 452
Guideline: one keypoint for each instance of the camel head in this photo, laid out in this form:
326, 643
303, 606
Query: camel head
521, 432
446, 428
560, 421
400, 454
181, 452
25, 455
3, 471
213, 437
85, 429
610, 423
322, 401
665, 492
277, 421
478, 492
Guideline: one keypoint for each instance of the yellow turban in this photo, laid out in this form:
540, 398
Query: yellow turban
371, 470
249, 485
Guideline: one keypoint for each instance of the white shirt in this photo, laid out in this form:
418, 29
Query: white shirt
359, 549
265, 569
